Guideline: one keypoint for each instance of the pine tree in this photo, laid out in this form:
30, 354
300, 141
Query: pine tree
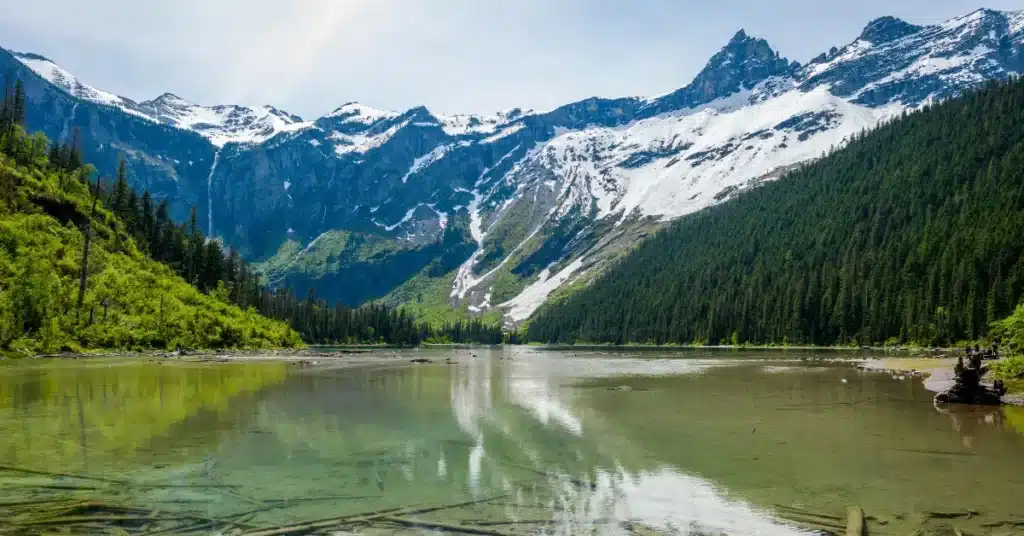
118, 201
18, 104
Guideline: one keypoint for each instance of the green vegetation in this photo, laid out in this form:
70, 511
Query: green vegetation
91, 264
355, 268
426, 299
1011, 371
47, 208
911, 232
361, 266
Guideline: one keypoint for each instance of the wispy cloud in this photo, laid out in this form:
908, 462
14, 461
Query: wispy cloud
310, 56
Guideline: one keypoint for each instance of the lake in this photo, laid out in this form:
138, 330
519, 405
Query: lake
537, 441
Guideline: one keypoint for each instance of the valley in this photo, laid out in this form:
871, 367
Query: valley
510, 209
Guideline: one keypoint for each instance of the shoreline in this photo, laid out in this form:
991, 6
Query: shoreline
305, 357
935, 373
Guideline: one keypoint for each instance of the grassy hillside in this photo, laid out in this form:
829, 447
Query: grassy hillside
354, 268
131, 301
911, 233
426, 298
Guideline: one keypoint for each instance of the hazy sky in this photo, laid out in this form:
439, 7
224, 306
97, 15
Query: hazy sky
479, 56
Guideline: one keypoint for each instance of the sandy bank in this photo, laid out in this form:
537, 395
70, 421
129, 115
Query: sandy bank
936, 372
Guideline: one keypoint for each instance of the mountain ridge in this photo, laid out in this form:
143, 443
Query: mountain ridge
544, 198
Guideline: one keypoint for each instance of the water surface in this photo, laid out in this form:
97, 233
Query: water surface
562, 441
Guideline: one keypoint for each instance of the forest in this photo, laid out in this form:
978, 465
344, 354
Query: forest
88, 263
910, 234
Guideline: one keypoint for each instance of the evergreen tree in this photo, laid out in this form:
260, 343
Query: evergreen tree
18, 104
911, 233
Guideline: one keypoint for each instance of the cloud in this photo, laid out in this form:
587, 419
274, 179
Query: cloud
309, 56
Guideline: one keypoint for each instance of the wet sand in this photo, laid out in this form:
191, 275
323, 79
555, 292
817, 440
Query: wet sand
937, 373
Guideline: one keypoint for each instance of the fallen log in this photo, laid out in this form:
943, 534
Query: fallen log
800, 511
361, 518
953, 515
854, 521
120, 482
812, 522
462, 529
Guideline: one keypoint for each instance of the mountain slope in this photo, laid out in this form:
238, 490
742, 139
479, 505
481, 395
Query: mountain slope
548, 198
911, 232
131, 301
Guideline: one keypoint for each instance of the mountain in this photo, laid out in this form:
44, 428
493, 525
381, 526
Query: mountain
496, 213
909, 234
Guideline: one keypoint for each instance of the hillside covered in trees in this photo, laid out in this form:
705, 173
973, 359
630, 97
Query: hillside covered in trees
51, 218
911, 233
148, 282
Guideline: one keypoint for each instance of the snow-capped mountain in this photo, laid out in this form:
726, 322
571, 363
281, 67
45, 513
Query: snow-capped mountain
506, 209
220, 124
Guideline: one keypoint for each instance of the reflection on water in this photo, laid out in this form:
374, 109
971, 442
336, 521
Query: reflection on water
104, 413
563, 442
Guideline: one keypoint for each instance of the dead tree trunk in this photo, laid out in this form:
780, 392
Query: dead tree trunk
85, 248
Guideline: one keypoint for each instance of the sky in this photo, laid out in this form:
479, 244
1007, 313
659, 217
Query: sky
454, 56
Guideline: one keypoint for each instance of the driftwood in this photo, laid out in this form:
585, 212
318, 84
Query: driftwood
812, 522
361, 518
1008, 522
829, 518
967, 514
325, 498
463, 529
120, 482
854, 521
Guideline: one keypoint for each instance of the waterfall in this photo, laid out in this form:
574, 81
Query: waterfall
209, 194
67, 124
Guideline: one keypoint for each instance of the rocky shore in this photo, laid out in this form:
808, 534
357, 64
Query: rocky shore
936, 373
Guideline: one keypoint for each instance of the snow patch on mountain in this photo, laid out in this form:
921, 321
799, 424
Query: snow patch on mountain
222, 124
1016, 21
523, 305
406, 218
57, 76
504, 133
219, 124
675, 164
353, 112
461, 125
363, 143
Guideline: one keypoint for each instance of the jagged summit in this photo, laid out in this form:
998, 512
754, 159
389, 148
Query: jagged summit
886, 29
739, 37
743, 63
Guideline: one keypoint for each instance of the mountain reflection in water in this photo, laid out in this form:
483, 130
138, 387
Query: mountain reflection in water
558, 442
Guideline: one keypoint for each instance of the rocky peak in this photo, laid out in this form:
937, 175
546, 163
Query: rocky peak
743, 63
165, 103
168, 97
740, 37
887, 29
